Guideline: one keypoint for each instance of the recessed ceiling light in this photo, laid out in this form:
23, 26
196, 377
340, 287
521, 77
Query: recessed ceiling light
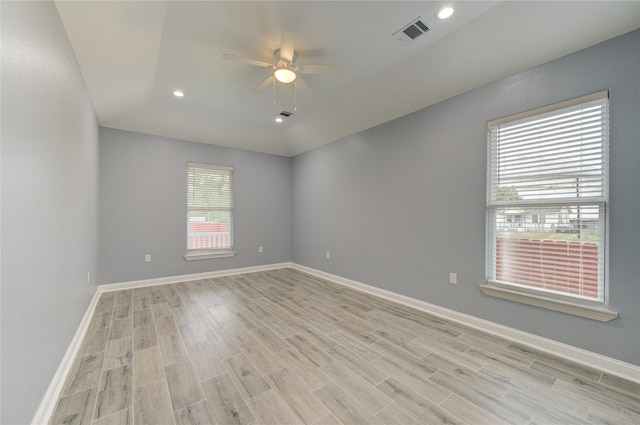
279, 120
445, 12
178, 93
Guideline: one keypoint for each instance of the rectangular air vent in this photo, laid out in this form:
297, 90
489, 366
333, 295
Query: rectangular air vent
410, 32
286, 113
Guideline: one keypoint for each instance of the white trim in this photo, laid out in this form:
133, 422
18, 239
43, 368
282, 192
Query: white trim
589, 312
108, 287
207, 255
209, 166
607, 364
48, 404
603, 94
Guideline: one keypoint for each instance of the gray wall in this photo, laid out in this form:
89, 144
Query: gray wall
49, 202
143, 193
403, 204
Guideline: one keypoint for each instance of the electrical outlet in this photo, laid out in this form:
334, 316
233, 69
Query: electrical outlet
453, 278
260, 249
147, 258
328, 255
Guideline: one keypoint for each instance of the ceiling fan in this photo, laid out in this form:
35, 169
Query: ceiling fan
284, 67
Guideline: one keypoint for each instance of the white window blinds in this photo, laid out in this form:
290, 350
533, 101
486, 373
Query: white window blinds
209, 207
546, 198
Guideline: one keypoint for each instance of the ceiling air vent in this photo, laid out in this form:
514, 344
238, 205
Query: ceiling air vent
412, 31
286, 113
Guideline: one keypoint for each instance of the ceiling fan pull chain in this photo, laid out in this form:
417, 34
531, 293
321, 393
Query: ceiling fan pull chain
274, 92
295, 97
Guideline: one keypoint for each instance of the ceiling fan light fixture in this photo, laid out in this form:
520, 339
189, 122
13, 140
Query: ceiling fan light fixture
285, 73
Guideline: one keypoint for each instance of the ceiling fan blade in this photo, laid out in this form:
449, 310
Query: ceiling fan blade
303, 87
321, 69
249, 61
287, 46
263, 85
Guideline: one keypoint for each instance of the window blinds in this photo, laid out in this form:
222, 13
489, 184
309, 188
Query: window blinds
558, 155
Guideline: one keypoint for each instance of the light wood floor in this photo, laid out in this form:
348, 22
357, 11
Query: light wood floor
284, 347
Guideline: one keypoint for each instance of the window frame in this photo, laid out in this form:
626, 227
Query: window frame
581, 306
210, 253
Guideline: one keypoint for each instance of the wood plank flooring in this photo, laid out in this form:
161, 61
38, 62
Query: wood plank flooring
284, 347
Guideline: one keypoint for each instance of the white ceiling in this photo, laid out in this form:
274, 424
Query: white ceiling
134, 54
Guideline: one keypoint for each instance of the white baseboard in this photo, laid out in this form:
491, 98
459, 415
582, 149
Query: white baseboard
607, 364
108, 287
50, 399
48, 403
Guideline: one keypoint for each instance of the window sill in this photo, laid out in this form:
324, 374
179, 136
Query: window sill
206, 255
594, 313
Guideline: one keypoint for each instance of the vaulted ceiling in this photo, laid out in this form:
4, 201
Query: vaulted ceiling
135, 54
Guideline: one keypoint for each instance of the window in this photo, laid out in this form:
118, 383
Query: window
209, 211
547, 202
514, 220
537, 219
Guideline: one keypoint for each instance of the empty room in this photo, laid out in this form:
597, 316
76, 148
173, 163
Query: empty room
320, 212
